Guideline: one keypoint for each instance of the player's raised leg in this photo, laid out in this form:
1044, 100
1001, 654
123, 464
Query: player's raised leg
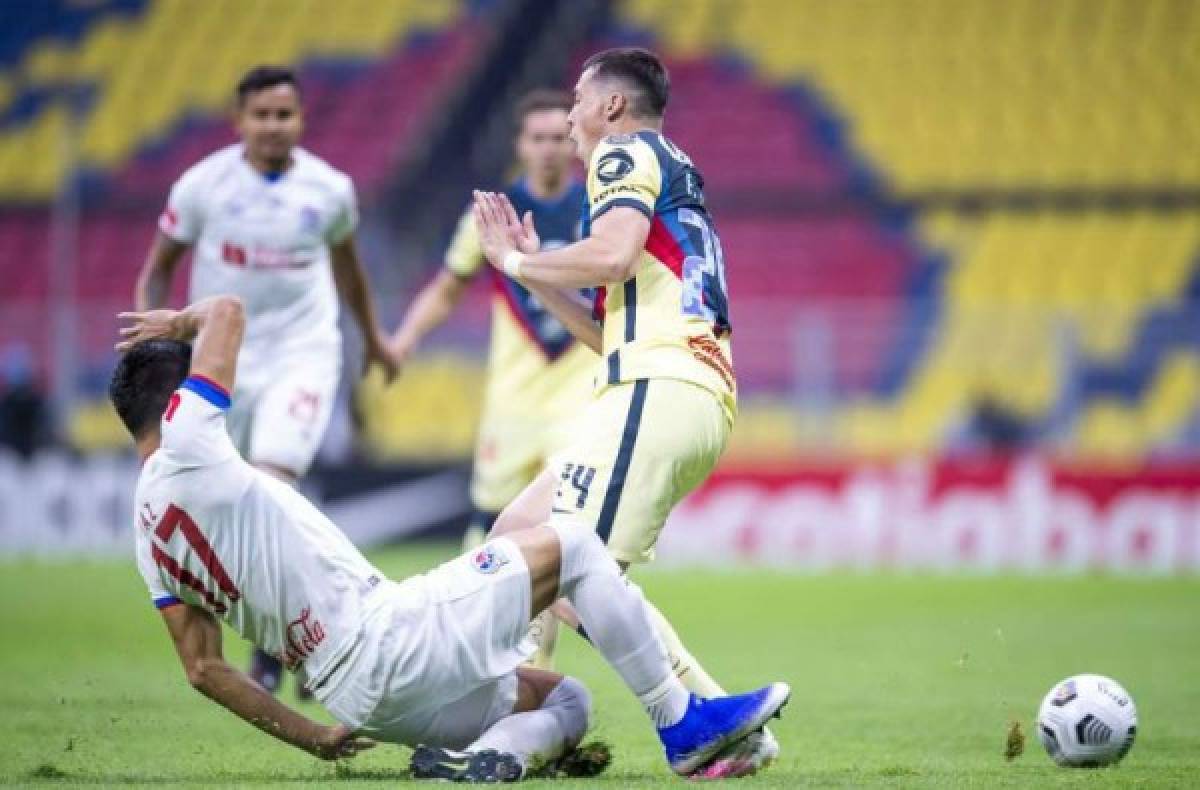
633, 530
572, 562
532, 507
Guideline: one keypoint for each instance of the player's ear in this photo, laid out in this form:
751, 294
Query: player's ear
617, 104
235, 116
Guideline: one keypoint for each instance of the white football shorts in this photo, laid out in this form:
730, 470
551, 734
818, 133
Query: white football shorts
281, 409
435, 662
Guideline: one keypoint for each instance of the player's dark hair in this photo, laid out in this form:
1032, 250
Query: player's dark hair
643, 71
540, 100
143, 382
262, 77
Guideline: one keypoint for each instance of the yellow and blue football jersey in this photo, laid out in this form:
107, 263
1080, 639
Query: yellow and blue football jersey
538, 375
671, 318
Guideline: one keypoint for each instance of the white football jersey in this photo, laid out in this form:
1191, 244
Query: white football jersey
214, 532
267, 241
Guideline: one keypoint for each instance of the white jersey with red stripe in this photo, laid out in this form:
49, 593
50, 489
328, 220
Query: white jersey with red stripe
265, 238
216, 533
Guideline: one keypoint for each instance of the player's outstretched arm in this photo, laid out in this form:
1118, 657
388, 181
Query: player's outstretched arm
214, 326
351, 280
609, 255
197, 637
433, 305
154, 279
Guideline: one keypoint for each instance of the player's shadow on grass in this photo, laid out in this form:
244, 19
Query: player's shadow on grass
50, 773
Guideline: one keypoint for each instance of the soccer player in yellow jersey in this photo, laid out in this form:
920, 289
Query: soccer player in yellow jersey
665, 395
537, 372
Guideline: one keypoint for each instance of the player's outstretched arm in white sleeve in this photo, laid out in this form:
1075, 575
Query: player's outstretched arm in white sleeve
197, 637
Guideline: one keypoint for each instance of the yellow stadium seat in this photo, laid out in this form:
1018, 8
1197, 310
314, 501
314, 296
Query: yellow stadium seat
148, 74
976, 92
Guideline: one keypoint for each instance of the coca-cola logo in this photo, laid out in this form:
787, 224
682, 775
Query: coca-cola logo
301, 638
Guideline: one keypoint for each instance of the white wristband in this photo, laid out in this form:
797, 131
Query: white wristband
512, 263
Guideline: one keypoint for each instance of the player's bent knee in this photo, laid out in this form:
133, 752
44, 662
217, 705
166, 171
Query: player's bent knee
530, 509
580, 550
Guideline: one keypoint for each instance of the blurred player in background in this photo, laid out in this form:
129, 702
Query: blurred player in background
274, 225
432, 660
537, 373
665, 399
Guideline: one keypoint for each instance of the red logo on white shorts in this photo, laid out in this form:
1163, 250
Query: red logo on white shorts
304, 405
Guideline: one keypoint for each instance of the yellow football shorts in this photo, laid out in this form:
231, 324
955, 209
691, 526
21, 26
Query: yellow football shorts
512, 449
639, 448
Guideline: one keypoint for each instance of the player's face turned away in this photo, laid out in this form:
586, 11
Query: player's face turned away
544, 145
589, 116
270, 122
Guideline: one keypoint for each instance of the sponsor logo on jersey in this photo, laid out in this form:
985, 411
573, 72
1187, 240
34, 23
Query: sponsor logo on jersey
488, 559
147, 517
262, 257
614, 166
613, 190
620, 139
707, 350
302, 637
310, 219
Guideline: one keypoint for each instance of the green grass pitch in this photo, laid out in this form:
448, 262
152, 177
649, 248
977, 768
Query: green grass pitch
899, 681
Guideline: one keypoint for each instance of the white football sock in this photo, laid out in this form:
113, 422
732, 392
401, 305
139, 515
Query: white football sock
543, 734
613, 611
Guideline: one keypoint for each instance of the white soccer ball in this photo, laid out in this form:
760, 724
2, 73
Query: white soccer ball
1087, 721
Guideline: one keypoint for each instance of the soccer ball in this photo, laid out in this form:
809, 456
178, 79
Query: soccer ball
1087, 721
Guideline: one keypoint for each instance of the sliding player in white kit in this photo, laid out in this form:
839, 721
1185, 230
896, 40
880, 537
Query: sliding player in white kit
274, 225
431, 660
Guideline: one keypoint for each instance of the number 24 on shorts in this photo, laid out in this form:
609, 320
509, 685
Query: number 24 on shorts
580, 478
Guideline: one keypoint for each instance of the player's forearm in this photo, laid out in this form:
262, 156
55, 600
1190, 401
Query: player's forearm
429, 310
217, 324
575, 316
193, 320
585, 264
153, 286
351, 281
154, 280
234, 690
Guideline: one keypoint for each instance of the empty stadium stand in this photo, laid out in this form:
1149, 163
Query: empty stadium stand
930, 209
1067, 294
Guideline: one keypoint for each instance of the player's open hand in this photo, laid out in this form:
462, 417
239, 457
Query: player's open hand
381, 352
523, 232
151, 325
500, 230
340, 742
495, 236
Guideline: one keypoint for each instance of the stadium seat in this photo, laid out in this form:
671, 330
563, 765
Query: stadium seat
1050, 314
145, 81
977, 94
